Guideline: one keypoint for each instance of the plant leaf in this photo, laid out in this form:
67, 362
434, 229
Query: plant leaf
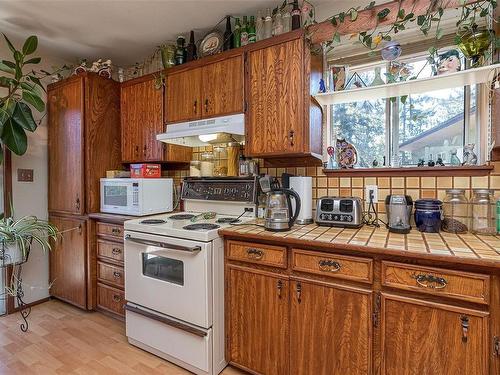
37, 81
6, 111
18, 56
439, 33
10, 64
354, 15
6, 69
34, 100
34, 60
11, 46
383, 13
14, 137
420, 20
24, 117
30, 45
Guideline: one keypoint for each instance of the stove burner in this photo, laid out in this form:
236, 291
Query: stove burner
181, 217
153, 221
201, 226
228, 220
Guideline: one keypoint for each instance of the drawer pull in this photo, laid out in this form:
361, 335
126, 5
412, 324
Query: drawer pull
116, 231
430, 281
298, 291
117, 275
464, 320
329, 266
117, 298
116, 251
255, 254
279, 286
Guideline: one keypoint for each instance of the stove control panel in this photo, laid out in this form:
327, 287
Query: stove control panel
231, 189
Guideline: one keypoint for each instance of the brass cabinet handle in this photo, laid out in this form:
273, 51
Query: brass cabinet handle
116, 231
116, 251
298, 291
329, 265
279, 286
195, 106
137, 150
77, 204
464, 322
255, 253
430, 281
145, 150
117, 298
117, 275
206, 105
291, 135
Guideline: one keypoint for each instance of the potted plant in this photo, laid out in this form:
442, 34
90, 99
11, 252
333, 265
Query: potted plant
16, 237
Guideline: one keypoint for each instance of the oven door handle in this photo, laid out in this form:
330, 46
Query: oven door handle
163, 245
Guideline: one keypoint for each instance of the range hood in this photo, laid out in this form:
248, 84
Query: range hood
205, 132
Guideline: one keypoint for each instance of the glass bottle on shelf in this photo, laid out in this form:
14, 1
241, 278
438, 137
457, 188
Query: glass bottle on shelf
259, 26
180, 51
278, 24
191, 48
483, 212
228, 35
287, 22
252, 38
455, 212
296, 24
237, 34
268, 24
244, 32
378, 77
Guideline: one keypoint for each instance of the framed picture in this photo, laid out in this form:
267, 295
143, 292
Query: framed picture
338, 76
355, 82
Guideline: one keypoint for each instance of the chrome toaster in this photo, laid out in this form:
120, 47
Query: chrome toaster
339, 212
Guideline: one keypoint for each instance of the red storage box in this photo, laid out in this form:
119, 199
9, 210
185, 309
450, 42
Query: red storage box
145, 170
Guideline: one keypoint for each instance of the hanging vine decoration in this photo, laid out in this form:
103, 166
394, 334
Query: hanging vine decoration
469, 19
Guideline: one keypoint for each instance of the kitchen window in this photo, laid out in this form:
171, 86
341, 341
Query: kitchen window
402, 131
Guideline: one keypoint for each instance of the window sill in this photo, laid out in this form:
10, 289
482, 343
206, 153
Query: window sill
482, 170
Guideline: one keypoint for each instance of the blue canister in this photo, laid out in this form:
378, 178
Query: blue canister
428, 215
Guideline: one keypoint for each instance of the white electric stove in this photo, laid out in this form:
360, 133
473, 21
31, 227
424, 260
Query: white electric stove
174, 267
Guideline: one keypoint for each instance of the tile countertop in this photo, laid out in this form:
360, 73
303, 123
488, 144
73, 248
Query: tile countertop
467, 249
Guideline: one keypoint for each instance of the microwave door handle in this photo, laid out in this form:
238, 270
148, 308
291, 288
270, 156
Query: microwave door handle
164, 245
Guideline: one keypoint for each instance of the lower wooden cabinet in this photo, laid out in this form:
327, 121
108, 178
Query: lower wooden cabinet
330, 329
420, 337
68, 261
258, 320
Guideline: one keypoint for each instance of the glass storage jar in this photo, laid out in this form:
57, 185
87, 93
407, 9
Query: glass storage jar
195, 168
428, 215
483, 212
455, 212
207, 164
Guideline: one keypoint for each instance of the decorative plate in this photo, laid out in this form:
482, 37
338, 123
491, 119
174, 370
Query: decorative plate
211, 44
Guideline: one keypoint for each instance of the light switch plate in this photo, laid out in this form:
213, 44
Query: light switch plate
25, 175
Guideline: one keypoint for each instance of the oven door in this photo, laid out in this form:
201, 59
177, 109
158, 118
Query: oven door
169, 275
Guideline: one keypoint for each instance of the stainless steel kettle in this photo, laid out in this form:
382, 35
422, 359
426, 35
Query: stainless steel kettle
279, 215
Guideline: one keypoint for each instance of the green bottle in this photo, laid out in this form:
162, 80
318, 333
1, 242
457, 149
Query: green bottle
252, 36
237, 34
244, 32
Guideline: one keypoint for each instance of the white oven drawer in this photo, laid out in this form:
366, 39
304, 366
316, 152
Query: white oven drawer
189, 349
169, 275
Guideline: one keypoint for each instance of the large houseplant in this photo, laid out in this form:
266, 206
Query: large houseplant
16, 237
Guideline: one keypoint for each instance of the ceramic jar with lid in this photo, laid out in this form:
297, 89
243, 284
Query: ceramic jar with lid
483, 212
455, 212
428, 215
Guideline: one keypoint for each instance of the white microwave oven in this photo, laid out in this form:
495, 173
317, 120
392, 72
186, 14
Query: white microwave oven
137, 196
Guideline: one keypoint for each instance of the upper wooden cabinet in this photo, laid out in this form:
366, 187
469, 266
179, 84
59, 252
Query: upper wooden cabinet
420, 337
282, 118
141, 120
83, 139
209, 90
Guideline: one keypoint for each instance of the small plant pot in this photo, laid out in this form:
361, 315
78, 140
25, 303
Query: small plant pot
11, 254
474, 44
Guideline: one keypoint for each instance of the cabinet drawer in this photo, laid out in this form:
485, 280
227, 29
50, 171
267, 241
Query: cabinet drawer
110, 299
111, 274
333, 265
454, 284
110, 230
257, 253
110, 250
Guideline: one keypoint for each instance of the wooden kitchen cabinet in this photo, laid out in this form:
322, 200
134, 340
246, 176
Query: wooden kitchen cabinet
141, 120
257, 335
282, 118
68, 261
330, 329
421, 337
208, 90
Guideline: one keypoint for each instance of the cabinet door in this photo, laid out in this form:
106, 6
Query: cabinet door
65, 135
420, 337
257, 319
131, 123
330, 329
223, 87
275, 112
183, 96
68, 261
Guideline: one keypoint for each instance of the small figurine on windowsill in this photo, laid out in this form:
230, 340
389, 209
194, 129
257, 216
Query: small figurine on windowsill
470, 157
322, 87
454, 160
375, 163
431, 162
421, 162
440, 162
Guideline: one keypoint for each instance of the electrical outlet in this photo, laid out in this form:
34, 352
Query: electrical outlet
374, 189
25, 175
